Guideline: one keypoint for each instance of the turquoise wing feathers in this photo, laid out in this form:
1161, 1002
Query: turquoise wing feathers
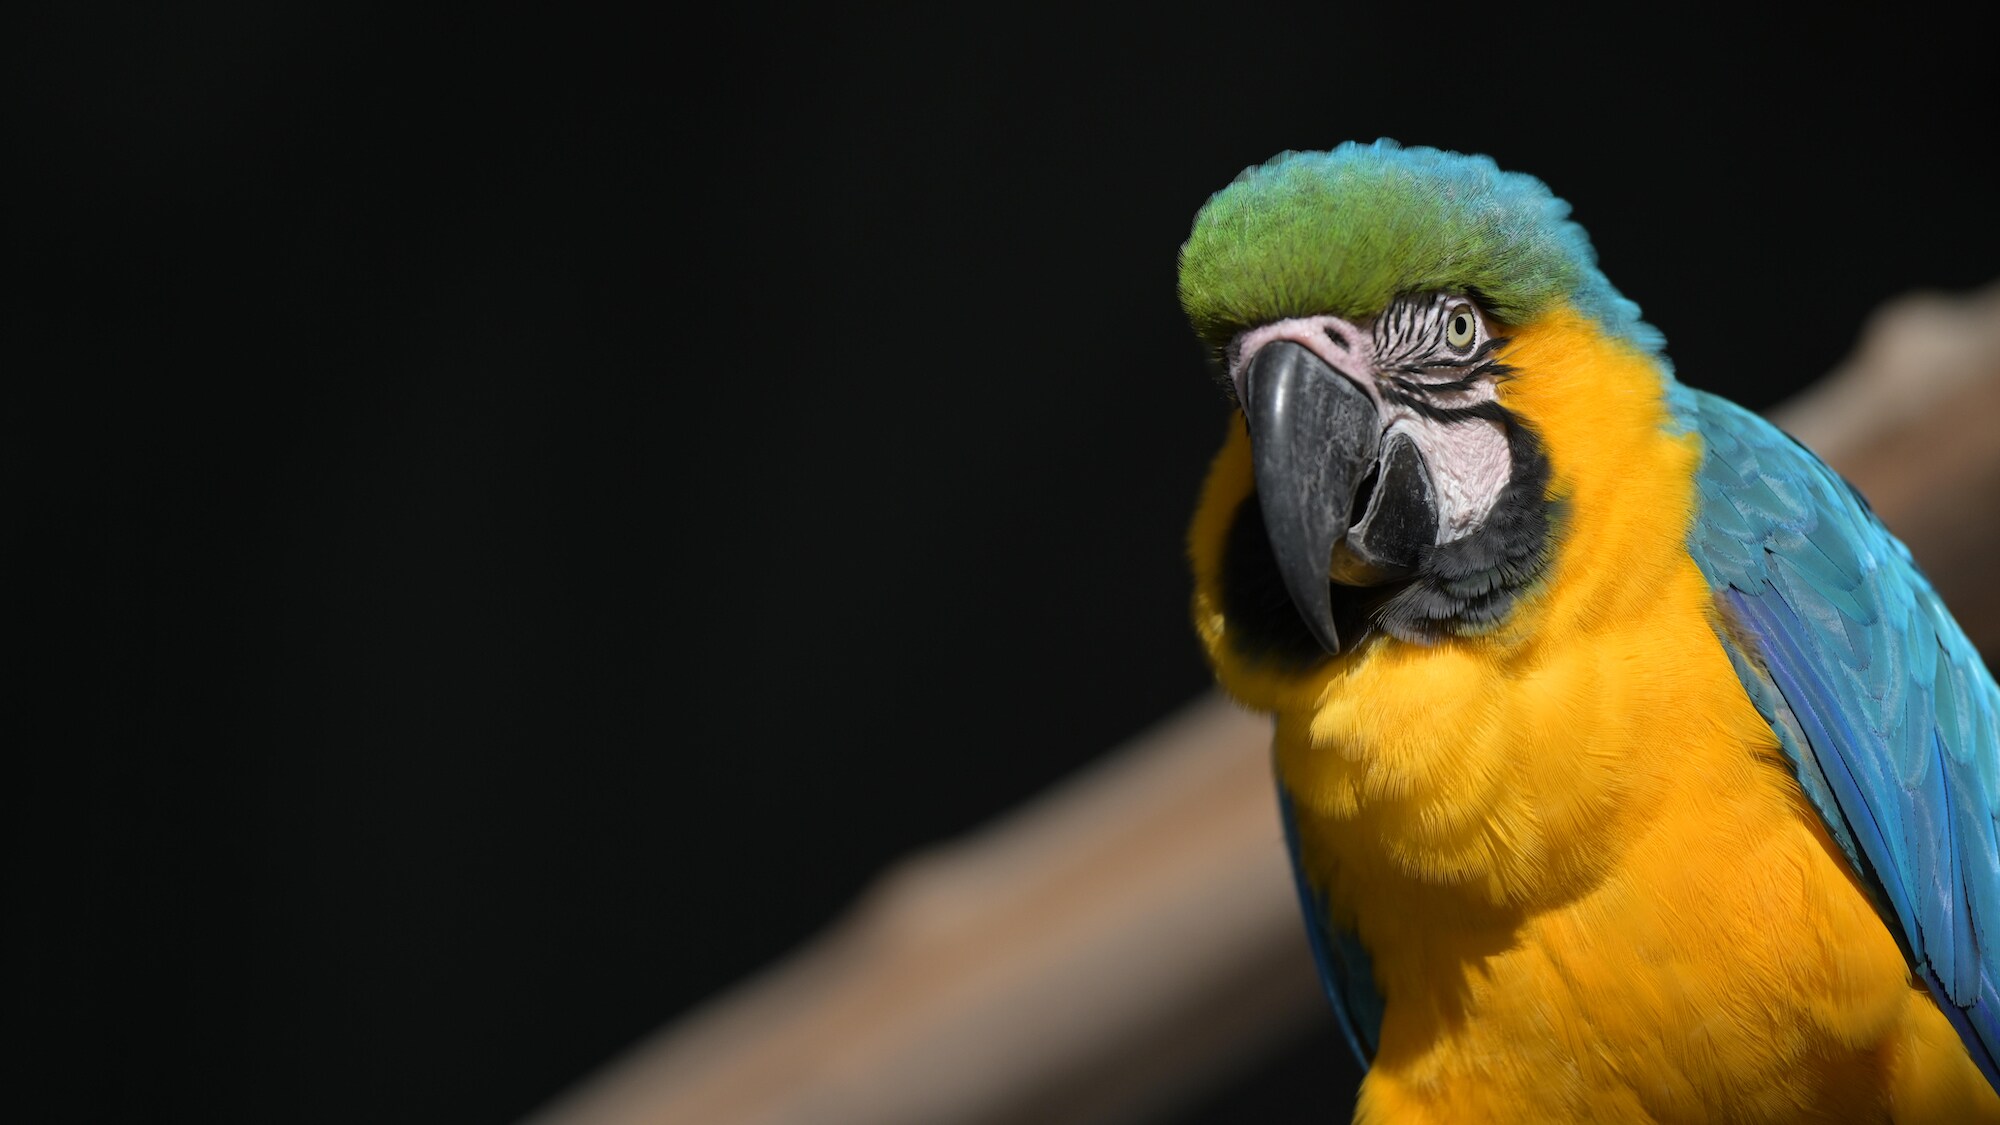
1877, 697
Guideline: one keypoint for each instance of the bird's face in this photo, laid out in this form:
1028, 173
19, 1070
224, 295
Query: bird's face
1381, 449
1405, 330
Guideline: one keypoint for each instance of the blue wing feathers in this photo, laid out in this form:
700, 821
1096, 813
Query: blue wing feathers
1874, 692
1344, 967
1964, 971
1802, 692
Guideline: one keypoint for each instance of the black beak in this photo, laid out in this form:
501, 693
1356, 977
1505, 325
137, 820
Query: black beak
1314, 435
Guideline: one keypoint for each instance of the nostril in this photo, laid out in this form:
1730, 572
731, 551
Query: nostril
1339, 341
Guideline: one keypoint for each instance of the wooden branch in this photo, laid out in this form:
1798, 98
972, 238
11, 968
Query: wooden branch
1133, 924
1131, 936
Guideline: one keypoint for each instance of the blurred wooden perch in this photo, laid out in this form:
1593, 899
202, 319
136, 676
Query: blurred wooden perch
1131, 936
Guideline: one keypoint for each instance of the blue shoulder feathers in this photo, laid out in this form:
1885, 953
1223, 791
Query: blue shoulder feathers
1875, 694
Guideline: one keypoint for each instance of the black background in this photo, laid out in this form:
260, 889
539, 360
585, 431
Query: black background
528, 513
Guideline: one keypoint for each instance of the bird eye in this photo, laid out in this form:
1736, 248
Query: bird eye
1460, 327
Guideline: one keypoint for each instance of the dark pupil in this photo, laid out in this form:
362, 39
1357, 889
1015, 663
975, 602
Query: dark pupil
1459, 327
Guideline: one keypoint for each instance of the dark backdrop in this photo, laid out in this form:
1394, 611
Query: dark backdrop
528, 513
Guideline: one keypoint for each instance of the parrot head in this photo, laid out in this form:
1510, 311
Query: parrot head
1386, 476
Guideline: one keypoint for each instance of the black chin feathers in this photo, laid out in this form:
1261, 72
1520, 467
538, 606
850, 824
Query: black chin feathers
1264, 625
1468, 585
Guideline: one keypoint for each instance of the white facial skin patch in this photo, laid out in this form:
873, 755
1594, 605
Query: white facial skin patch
1424, 362
1470, 466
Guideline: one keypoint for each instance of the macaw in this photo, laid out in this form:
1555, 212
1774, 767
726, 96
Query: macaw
1630, 769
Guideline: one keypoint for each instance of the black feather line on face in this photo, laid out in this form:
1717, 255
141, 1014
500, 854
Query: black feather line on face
1421, 375
1417, 394
1478, 411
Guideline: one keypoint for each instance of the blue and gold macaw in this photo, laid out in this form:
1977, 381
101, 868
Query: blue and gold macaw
1631, 769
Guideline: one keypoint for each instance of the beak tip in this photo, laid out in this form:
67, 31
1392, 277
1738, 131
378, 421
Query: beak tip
1327, 636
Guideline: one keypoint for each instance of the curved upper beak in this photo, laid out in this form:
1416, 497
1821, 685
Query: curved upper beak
1314, 435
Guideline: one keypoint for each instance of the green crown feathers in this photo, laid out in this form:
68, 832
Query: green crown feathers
1345, 232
